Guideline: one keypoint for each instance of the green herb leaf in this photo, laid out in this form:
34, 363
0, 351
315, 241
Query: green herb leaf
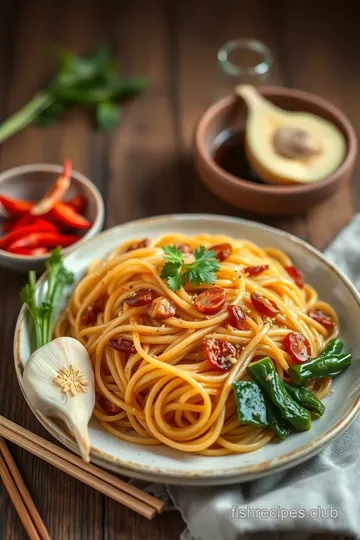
42, 313
107, 115
92, 82
176, 281
128, 88
50, 115
202, 270
197, 276
173, 254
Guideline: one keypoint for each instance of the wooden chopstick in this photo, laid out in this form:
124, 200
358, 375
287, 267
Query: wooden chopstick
92, 469
79, 474
17, 501
124, 493
23, 491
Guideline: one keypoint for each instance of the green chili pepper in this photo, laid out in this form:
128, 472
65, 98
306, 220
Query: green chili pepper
250, 403
263, 371
255, 409
322, 366
335, 346
306, 398
281, 427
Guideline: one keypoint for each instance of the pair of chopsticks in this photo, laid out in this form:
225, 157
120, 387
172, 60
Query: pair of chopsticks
130, 496
20, 497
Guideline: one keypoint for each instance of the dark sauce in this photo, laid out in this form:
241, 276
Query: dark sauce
229, 154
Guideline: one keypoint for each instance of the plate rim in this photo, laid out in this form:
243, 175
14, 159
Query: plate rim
213, 477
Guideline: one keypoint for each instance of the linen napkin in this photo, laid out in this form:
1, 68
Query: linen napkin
328, 483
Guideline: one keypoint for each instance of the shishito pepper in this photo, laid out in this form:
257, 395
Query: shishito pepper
306, 398
335, 346
264, 373
250, 403
255, 409
278, 424
323, 366
330, 362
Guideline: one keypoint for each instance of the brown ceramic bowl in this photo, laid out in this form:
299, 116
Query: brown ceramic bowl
230, 114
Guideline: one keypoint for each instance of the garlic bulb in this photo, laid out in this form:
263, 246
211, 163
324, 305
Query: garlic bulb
59, 381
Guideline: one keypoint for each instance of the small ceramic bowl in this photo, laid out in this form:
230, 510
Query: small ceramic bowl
32, 182
229, 114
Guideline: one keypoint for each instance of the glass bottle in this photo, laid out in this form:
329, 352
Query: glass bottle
243, 61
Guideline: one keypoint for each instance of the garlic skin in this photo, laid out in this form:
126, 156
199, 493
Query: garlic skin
59, 381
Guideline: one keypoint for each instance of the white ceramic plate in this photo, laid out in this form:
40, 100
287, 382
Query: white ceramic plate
162, 464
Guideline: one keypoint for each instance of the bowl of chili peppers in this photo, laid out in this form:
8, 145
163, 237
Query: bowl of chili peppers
44, 206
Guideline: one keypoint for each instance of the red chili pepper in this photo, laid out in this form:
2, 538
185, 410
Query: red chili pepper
78, 203
25, 220
18, 234
56, 192
65, 215
9, 225
29, 252
45, 239
15, 207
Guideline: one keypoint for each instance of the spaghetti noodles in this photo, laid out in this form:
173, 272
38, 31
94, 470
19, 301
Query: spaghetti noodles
163, 368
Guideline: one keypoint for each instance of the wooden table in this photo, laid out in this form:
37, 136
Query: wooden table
145, 167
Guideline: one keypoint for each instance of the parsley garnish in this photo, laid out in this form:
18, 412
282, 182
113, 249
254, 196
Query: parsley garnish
201, 270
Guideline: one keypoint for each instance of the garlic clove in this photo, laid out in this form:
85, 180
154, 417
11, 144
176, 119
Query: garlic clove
81, 436
59, 381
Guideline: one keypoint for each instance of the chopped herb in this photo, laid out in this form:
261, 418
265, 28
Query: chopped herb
202, 270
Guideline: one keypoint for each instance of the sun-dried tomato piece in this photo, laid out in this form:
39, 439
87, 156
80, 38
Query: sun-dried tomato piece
264, 306
109, 406
91, 313
223, 251
210, 301
220, 353
185, 249
323, 318
298, 346
138, 245
143, 297
122, 345
296, 275
237, 317
255, 270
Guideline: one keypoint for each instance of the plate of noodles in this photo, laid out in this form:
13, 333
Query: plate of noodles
222, 349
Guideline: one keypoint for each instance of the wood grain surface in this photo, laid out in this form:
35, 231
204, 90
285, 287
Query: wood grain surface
145, 167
